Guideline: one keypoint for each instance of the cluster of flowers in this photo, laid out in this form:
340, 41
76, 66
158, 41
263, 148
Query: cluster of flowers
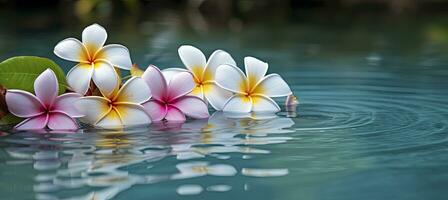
156, 95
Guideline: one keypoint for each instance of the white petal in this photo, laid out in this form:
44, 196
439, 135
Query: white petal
94, 37
135, 90
46, 87
132, 114
93, 108
71, 49
117, 55
193, 59
255, 70
105, 78
192, 106
170, 72
218, 57
111, 120
216, 96
78, 78
231, 78
238, 103
272, 86
264, 104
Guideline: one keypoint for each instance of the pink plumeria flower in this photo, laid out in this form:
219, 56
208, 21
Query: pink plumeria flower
96, 61
169, 97
46, 108
203, 71
121, 108
253, 89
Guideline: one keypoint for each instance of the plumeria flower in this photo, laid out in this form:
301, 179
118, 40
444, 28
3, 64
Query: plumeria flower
96, 62
203, 71
253, 89
46, 108
121, 108
170, 100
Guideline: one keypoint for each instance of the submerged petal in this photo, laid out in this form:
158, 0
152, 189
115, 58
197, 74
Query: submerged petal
93, 108
192, 107
193, 59
33, 123
216, 96
174, 115
105, 78
78, 78
264, 104
66, 104
255, 70
46, 87
135, 90
180, 85
61, 121
23, 104
218, 57
94, 37
272, 86
231, 78
156, 82
156, 109
238, 103
132, 114
118, 55
71, 49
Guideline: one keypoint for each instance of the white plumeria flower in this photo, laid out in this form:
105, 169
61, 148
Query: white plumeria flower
96, 61
253, 89
122, 108
203, 71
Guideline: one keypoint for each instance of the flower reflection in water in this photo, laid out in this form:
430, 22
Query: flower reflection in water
100, 164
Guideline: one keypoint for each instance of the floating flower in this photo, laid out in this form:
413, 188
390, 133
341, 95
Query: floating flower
170, 100
46, 108
253, 89
204, 73
96, 62
121, 108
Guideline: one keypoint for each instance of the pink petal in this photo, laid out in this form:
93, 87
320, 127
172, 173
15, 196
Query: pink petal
156, 82
37, 122
61, 121
180, 85
174, 115
156, 109
23, 104
192, 106
46, 87
66, 104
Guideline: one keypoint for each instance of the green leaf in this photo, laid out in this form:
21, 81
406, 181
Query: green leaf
9, 119
20, 72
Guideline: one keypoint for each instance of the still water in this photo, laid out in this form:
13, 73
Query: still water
371, 124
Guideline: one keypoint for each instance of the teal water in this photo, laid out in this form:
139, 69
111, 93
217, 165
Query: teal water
371, 124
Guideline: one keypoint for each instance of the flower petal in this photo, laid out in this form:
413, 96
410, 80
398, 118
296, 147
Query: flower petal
94, 37
272, 86
238, 103
156, 82
23, 104
155, 109
218, 57
216, 96
33, 123
170, 72
105, 78
197, 92
264, 104
78, 78
93, 108
61, 121
46, 87
180, 85
231, 78
132, 114
66, 103
255, 70
111, 120
192, 106
135, 90
71, 49
193, 59
118, 55
174, 115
